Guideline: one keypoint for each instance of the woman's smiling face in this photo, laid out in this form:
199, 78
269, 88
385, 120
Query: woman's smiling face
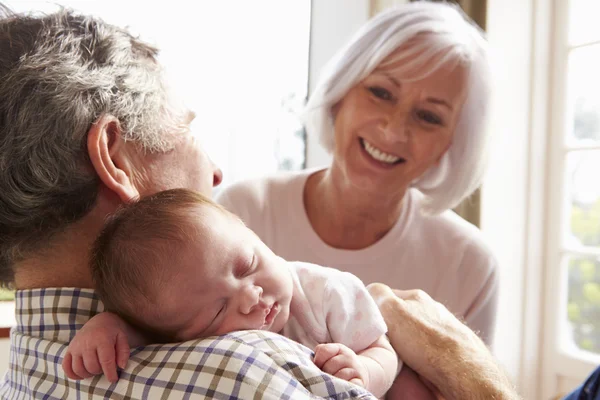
390, 130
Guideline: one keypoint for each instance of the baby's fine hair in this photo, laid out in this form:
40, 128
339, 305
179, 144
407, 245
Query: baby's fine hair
130, 258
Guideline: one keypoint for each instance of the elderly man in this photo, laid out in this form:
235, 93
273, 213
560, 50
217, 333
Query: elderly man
86, 124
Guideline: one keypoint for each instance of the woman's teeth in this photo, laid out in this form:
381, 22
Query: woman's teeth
378, 154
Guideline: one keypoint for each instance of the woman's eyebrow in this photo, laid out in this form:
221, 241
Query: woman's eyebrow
439, 101
393, 80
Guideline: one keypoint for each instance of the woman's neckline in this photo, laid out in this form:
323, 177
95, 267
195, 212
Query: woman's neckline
314, 241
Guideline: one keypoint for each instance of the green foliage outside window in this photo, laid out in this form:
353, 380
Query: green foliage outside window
583, 309
6, 295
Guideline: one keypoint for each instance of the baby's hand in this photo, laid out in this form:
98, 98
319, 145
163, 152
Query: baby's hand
341, 362
97, 348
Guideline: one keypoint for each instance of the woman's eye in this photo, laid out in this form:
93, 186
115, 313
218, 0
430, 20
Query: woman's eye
381, 93
429, 117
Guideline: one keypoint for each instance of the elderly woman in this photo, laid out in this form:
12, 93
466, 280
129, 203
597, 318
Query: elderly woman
402, 109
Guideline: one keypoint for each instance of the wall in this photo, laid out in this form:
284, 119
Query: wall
333, 23
513, 192
380, 5
502, 220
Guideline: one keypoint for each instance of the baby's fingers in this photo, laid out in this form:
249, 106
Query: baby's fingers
357, 381
324, 352
90, 362
106, 356
122, 350
350, 375
79, 368
68, 367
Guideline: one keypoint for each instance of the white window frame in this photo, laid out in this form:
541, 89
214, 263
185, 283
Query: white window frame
561, 368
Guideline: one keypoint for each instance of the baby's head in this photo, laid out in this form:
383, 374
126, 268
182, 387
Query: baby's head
180, 267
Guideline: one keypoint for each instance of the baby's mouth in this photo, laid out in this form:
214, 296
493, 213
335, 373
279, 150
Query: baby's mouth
271, 314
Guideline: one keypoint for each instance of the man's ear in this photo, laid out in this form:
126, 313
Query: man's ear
105, 143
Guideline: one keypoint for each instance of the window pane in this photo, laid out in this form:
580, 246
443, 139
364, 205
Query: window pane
583, 308
7, 309
584, 97
583, 189
6, 295
583, 21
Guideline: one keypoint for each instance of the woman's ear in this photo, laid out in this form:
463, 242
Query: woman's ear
104, 144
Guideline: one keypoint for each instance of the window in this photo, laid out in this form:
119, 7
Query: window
7, 311
574, 240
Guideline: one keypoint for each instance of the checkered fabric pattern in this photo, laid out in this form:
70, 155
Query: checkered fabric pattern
240, 365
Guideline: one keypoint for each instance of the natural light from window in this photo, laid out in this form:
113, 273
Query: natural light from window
241, 66
581, 236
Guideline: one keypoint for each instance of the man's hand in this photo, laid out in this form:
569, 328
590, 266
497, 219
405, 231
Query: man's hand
97, 348
341, 362
439, 347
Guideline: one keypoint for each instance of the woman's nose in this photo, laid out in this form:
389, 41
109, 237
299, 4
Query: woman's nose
395, 127
250, 298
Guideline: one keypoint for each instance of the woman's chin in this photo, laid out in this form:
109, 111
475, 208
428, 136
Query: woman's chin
369, 181
366, 180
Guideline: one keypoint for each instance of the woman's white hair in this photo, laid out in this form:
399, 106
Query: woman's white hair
448, 37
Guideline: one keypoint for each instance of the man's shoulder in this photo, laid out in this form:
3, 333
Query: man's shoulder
231, 366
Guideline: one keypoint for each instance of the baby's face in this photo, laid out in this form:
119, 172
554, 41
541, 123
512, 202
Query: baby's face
228, 280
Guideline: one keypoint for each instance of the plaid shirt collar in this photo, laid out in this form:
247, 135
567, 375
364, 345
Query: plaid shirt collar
55, 314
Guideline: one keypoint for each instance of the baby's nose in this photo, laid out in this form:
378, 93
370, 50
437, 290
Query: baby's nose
252, 299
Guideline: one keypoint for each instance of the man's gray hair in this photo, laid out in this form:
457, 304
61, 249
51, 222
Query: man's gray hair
449, 38
58, 74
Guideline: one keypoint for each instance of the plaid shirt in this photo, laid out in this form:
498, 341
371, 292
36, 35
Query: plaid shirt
249, 364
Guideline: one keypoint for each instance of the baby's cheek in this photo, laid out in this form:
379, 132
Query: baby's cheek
280, 322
